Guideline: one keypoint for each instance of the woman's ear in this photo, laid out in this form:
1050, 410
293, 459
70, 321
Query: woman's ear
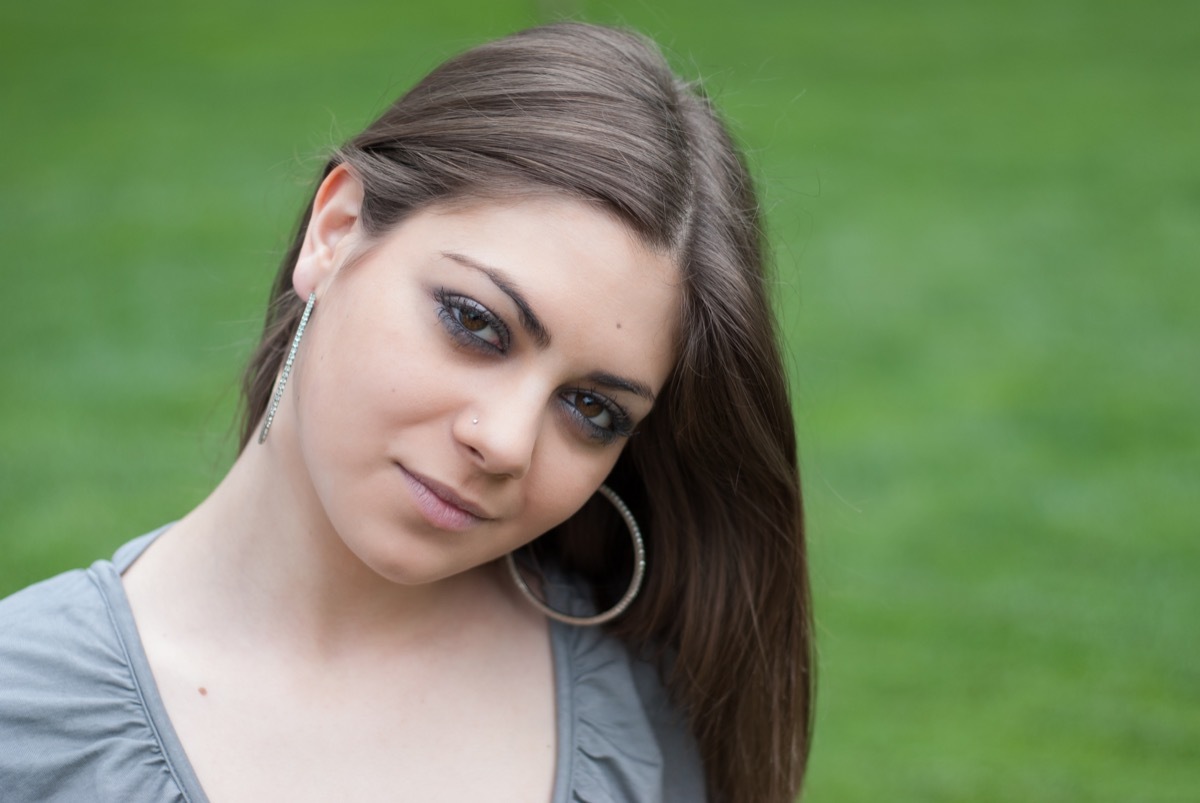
335, 212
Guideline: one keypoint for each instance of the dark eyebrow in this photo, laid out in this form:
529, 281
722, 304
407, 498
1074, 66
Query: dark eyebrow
621, 383
529, 321
538, 331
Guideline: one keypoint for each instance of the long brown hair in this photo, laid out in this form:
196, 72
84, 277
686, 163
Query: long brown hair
712, 473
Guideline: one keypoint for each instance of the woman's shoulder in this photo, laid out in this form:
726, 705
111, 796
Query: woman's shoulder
68, 687
621, 738
51, 628
49, 619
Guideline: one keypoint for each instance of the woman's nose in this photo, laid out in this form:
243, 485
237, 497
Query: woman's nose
501, 428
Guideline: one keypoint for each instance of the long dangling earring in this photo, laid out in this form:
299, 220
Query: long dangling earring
635, 583
287, 367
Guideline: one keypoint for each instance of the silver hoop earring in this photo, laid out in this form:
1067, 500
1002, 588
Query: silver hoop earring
287, 367
635, 583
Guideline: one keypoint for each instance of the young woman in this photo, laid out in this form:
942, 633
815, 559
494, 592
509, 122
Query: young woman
516, 515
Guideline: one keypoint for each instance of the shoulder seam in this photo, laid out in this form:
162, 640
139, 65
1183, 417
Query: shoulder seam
137, 686
564, 652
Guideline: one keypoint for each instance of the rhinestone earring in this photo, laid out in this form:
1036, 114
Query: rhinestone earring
635, 583
287, 367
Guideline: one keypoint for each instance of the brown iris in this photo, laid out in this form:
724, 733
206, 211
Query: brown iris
588, 405
472, 320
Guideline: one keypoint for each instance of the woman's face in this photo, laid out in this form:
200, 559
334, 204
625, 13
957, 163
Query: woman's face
469, 382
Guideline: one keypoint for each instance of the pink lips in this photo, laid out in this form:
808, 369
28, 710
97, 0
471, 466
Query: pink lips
440, 506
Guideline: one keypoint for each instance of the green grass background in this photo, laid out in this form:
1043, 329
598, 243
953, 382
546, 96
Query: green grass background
987, 225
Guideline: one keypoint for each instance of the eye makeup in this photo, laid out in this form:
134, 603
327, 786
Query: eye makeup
470, 323
597, 416
473, 326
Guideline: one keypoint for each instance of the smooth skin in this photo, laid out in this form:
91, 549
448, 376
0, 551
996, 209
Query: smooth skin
332, 622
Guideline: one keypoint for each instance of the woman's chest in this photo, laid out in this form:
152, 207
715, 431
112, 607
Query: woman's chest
463, 728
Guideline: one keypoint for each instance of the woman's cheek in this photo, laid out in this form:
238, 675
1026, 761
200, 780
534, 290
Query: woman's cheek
566, 486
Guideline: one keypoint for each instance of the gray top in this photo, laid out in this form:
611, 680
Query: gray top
81, 718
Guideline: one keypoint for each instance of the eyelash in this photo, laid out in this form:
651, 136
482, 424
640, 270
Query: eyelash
450, 310
622, 426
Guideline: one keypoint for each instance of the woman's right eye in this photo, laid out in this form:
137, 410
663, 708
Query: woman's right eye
472, 324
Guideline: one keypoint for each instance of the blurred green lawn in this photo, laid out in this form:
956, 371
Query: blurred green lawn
987, 227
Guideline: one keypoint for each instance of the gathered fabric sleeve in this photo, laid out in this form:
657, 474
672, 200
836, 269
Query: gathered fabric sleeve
620, 739
76, 701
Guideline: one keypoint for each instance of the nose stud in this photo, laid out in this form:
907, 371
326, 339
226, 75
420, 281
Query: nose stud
474, 421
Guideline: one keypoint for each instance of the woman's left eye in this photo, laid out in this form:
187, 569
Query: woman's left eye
603, 419
471, 323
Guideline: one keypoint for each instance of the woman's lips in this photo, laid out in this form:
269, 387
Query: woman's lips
440, 505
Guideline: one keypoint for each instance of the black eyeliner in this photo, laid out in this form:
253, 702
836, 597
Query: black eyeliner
450, 305
622, 423
448, 302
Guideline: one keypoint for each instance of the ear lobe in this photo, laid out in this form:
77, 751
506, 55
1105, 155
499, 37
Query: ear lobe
335, 212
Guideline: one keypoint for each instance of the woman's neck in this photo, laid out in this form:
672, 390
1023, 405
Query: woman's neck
258, 560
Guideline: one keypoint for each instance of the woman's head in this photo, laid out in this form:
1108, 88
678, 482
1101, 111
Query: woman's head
588, 112
595, 115
498, 354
